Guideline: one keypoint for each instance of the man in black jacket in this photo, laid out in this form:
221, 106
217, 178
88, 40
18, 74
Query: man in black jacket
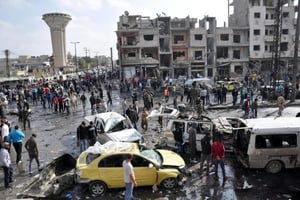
92, 137
206, 152
82, 136
133, 116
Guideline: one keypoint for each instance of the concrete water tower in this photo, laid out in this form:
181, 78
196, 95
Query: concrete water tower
57, 23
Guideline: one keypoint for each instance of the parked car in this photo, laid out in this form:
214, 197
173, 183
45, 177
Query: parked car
111, 126
101, 167
229, 85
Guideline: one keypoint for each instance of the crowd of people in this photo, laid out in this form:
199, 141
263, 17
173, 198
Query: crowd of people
62, 97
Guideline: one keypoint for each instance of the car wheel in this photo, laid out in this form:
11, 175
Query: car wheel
186, 148
169, 183
274, 167
97, 188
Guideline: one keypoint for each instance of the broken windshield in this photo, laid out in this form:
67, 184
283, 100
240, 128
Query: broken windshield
152, 155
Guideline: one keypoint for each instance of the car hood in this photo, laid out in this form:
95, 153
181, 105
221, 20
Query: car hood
171, 158
126, 135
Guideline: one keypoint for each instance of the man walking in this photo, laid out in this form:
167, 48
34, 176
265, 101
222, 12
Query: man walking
206, 152
16, 137
218, 154
33, 153
25, 117
83, 101
129, 177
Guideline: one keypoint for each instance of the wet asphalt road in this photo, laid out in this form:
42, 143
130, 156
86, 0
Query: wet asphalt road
56, 135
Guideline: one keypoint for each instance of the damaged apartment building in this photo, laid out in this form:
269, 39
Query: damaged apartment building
174, 47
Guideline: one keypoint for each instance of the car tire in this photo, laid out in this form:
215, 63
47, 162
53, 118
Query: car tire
97, 188
186, 148
274, 167
169, 183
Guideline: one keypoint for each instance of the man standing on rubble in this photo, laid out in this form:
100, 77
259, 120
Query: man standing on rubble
178, 136
206, 152
280, 103
31, 147
218, 154
192, 140
82, 134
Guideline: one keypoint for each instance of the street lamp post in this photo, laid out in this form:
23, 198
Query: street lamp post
76, 63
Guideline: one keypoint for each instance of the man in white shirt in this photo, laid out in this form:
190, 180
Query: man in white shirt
5, 163
129, 177
4, 130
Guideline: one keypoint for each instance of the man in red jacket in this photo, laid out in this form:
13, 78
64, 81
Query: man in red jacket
218, 154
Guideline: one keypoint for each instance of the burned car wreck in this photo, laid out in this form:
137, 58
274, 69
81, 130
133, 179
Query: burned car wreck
55, 178
111, 126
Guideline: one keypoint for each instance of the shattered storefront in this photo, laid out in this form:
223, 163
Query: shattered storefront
150, 71
223, 70
141, 71
129, 72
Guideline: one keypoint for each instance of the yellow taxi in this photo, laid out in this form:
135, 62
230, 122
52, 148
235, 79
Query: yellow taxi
230, 85
101, 166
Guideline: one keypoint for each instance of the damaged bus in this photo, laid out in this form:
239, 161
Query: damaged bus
271, 144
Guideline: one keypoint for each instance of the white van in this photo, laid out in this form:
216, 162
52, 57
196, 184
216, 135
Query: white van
272, 144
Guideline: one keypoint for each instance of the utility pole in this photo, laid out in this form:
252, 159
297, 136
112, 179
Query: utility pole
295, 66
276, 43
97, 62
76, 63
7, 62
87, 51
112, 60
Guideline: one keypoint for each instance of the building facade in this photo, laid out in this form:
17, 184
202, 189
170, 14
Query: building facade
259, 38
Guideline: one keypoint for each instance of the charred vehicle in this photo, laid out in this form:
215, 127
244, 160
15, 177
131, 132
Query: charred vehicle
268, 143
112, 126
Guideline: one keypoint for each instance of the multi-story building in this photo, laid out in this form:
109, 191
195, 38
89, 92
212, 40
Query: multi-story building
272, 27
259, 33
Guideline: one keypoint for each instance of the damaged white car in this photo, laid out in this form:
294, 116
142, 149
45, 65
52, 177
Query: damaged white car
111, 126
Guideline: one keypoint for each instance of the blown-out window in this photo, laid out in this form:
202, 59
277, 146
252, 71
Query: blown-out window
275, 141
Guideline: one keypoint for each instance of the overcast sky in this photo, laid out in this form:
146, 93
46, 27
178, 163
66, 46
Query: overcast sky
93, 24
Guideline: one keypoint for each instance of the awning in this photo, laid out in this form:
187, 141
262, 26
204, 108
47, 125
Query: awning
149, 66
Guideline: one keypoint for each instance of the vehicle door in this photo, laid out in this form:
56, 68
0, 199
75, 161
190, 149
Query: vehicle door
110, 170
101, 136
144, 170
168, 133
